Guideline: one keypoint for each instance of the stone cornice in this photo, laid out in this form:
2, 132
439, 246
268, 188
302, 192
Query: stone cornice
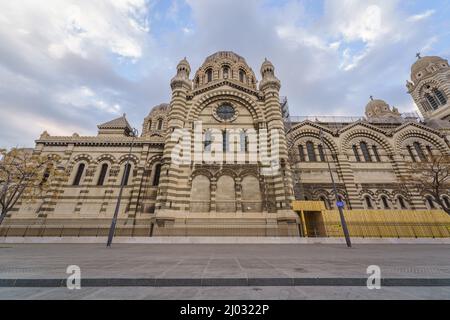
425, 79
97, 141
421, 126
226, 82
312, 124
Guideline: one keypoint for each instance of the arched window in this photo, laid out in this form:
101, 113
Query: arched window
376, 154
225, 72
321, 154
243, 141
365, 151
446, 201
197, 81
325, 202
156, 175
149, 125
430, 151
355, 152
401, 201
430, 202
426, 106
101, 177
310, 150
209, 75
301, 153
385, 201
126, 174
46, 174
432, 101
208, 140
440, 96
419, 151
368, 202
241, 75
224, 141
160, 124
79, 174
411, 154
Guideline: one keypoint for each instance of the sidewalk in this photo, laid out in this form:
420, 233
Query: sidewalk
224, 271
224, 261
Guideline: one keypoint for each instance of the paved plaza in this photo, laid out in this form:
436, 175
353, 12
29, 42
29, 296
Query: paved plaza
239, 271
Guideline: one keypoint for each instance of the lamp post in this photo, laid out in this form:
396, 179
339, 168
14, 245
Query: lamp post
112, 229
339, 203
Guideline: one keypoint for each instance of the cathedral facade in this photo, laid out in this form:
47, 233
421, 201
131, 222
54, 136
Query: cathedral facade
368, 156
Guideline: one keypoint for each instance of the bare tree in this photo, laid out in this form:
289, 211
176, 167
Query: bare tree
432, 177
22, 176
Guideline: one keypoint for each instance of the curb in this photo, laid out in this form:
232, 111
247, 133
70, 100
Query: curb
225, 282
222, 240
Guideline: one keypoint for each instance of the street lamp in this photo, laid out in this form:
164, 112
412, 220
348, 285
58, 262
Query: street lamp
339, 203
112, 229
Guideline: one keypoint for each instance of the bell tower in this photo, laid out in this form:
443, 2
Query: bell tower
430, 87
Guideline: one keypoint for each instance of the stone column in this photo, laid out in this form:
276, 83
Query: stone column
343, 165
238, 194
212, 203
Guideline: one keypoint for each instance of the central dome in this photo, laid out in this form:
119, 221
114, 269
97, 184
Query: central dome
225, 55
225, 65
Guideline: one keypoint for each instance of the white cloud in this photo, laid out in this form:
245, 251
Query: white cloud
84, 98
356, 20
299, 36
78, 27
65, 63
421, 16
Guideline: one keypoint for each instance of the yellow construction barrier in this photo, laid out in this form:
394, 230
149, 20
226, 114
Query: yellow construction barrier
319, 222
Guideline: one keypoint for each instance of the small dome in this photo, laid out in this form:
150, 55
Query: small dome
266, 64
377, 107
184, 62
184, 65
419, 68
160, 108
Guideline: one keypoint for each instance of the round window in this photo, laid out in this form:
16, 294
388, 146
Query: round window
225, 111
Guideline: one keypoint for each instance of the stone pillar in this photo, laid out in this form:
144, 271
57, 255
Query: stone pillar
270, 87
343, 165
212, 202
238, 194
137, 183
171, 194
401, 171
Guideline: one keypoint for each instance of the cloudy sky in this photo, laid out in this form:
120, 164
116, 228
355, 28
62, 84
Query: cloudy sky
67, 65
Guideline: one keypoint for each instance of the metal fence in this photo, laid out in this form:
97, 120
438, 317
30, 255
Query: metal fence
310, 220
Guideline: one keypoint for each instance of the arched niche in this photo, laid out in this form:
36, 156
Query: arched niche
200, 194
225, 194
251, 194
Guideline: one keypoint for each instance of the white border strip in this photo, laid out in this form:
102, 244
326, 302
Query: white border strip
224, 240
